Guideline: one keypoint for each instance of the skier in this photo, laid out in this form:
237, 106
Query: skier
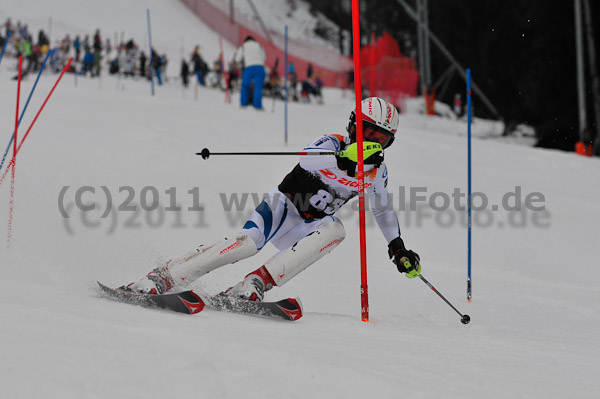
297, 216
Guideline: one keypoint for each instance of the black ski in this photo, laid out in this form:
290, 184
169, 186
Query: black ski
191, 303
184, 302
287, 309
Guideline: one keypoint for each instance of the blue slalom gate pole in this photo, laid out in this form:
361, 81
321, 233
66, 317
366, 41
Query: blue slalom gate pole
469, 234
4, 47
150, 56
285, 74
12, 136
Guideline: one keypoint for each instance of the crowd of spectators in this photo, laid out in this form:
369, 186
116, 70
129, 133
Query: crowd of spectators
93, 56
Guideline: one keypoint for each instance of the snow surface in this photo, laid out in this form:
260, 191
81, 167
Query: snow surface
535, 317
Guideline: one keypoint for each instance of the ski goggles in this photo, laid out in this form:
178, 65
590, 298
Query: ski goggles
376, 134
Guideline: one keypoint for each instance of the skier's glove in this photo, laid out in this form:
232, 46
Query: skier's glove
372, 155
406, 260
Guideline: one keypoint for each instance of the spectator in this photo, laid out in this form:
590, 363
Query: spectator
97, 52
30, 56
18, 47
130, 45
24, 31
88, 62
200, 67
66, 44
97, 41
319, 88
293, 83
233, 75
156, 65
76, 46
43, 42
143, 60
350, 78
108, 48
185, 73
457, 105
252, 54
274, 83
309, 71
17, 30
9, 27
163, 67
217, 75
129, 61
43, 39
307, 90
114, 66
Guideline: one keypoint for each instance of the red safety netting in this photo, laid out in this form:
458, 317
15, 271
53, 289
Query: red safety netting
386, 73
326, 63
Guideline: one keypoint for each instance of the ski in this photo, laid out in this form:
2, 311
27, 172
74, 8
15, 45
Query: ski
287, 309
189, 302
184, 302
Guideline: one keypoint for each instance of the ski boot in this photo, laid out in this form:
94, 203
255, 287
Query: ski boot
158, 281
252, 288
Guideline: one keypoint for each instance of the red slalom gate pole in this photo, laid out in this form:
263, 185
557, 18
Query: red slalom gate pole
44, 104
364, 293
12, 162
224, 72
17, 113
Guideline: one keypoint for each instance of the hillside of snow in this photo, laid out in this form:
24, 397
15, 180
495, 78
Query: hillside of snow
535, 312
276, 14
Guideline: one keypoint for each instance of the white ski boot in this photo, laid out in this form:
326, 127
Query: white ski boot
252, 288
158, 281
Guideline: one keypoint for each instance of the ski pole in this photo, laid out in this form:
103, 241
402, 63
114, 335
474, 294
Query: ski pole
205, 153
465, 319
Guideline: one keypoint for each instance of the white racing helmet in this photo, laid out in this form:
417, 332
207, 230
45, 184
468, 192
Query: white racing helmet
378, 116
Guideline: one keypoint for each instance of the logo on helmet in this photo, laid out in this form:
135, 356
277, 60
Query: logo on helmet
389, 115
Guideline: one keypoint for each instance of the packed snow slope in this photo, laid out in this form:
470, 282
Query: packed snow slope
535, 318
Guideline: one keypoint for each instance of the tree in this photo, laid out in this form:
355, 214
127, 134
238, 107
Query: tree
522, 55
589, 29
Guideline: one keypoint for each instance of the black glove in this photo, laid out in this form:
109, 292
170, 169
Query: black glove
347, 165
406, 260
